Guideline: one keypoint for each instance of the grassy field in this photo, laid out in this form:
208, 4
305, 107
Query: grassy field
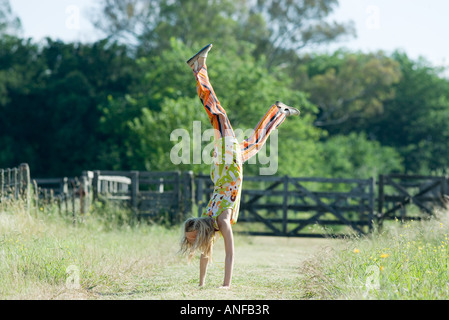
47, 257
42, 256
407, 261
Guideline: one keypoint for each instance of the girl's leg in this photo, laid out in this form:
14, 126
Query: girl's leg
217, 115
270, 121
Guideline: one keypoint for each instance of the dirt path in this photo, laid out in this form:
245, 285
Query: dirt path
272, 250
265, 268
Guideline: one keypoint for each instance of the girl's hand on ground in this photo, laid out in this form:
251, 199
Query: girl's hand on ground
224, 287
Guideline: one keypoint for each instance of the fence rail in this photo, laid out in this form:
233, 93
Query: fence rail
71, 195
397, 193
283, 206
286, 205
149, 194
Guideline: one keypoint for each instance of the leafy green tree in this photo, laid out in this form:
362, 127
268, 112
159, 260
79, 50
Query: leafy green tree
162, 79
246, 93
415, 121
354, 156
50, 115
149, 24
246, 89
401, 103
292, 26
349, 87
277, 28
9, 22
151, 136
19, 67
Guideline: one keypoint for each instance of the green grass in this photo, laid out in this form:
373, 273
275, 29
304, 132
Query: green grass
114, 257
38, 252
117, 258
405, 261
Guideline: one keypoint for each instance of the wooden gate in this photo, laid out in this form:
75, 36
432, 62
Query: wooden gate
149, 194
285, 206
418, 194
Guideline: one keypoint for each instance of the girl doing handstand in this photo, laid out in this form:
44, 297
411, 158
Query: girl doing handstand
226, 172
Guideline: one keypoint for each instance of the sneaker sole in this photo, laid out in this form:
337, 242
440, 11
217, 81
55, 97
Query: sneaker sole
192, 59
292, 111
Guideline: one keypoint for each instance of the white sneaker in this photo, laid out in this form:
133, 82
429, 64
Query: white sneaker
288, 111
194, 62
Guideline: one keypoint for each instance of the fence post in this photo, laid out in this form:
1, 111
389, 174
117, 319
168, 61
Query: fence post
446, 191
95, 185
380, 201
36, 197
285, 206
2, 183
371, 204
200, 196
135, 191
8, 180
443, 186
15, 182
25, 185
188, 193
176, 211
84, 194
64, 187
65, 192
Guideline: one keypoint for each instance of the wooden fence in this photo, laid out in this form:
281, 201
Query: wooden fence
407, 197
150, 194
71, 195
287, 206
277, 206
15, 185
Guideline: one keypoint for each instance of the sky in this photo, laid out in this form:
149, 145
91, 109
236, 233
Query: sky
417, 27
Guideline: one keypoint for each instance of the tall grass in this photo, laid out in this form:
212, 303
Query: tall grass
105, 253
109, 255
406, 261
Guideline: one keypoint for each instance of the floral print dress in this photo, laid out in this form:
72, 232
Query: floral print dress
227, 175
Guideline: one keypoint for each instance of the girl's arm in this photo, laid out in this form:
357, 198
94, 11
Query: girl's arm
224, 222
203, 269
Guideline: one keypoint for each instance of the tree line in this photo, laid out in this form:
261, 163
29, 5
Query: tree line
112, 104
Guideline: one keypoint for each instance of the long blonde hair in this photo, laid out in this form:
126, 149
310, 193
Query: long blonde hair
204, 240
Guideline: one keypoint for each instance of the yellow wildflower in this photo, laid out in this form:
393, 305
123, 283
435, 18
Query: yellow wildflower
384, 255
356, 250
